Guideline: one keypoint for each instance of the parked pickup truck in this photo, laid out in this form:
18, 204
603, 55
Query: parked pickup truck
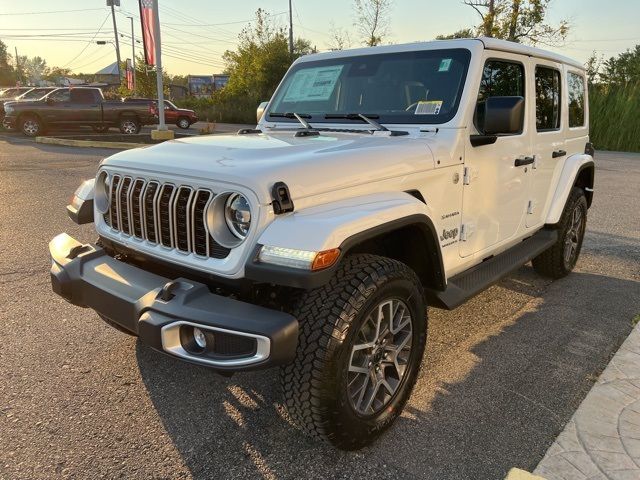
78, 106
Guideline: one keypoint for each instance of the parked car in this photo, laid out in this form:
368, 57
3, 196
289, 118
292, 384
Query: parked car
77, 106
9, 95
173, 115
377, 181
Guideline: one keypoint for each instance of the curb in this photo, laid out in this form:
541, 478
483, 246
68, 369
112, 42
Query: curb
67, 142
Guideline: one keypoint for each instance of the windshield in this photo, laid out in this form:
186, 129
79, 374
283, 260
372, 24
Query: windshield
10, 93
169, 104
405, 87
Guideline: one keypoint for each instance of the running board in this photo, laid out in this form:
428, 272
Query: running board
471, 282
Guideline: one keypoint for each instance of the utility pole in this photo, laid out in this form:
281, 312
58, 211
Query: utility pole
112, 3
133, 57
290, 30
156, 31
17, 66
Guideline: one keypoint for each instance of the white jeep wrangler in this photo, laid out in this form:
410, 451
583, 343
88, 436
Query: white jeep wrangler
377, 181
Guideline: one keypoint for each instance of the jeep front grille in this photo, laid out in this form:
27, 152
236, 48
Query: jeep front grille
164, 214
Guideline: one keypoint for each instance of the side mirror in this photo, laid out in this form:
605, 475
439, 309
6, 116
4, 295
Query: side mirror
261, 108
503, 115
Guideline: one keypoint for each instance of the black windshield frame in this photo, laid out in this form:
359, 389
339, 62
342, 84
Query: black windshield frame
461, 55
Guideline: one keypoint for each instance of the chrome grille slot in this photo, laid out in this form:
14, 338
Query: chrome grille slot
164, 214
136, 215
182, 218
123, 198
148, 211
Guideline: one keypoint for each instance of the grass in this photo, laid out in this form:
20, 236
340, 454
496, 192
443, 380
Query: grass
613, 113
635, 320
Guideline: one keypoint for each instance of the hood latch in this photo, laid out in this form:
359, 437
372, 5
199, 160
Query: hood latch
282, 202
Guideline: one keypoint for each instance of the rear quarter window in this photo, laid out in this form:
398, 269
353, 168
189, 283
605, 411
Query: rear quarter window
576, 99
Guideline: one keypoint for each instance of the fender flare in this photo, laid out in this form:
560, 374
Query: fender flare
571, 172
344, 224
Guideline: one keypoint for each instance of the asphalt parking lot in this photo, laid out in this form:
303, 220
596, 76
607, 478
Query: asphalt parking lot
501, 377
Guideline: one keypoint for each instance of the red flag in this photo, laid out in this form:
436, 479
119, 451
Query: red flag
129, 74
148, 31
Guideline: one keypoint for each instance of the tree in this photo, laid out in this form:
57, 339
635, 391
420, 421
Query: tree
463, 33
7, 72
340, 38
623, 69
372, 20
34, 69
521, 21
261, 60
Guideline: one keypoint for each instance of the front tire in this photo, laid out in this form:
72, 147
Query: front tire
558, 260
31, 126
129, 125
361, 342
183, 123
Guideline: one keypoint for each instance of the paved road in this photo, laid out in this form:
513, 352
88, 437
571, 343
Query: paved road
501, 376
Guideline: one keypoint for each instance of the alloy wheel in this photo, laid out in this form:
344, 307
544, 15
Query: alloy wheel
30, 127
573, 236
129, 127
380, 357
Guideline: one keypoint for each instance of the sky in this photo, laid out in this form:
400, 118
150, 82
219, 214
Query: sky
195, 33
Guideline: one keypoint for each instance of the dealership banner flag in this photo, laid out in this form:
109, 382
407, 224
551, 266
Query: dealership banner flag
148, 32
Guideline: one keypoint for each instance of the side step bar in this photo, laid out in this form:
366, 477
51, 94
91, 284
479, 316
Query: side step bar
471, 282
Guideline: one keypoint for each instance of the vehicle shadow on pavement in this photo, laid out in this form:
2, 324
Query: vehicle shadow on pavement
509, 397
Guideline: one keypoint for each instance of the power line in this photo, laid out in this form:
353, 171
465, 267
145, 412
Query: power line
53, 11
89, 42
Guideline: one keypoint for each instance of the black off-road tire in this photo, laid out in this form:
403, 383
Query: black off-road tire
116, 326
552, 262
315, 384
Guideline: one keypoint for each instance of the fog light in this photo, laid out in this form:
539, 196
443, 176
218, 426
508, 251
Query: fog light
199, 337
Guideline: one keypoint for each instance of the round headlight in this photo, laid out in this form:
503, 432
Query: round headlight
238, 215
101, 192
228, 218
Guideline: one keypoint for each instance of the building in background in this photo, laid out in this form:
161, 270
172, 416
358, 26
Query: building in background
205, 85
109, 75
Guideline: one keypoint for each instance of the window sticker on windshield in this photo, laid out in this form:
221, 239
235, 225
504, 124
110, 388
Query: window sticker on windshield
431, 107
445, 65
313, 84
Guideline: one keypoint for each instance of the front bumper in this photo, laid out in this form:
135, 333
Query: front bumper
160, 310
9, 122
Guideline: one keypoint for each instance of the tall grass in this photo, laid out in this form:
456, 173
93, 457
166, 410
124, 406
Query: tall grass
614, 113
221, 110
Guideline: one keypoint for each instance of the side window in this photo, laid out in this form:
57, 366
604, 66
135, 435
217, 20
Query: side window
576, 99
60, 96
547, 99
82, 95
500, 78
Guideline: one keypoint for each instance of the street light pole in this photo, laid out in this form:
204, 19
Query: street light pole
133, 57
290, 30
111, 3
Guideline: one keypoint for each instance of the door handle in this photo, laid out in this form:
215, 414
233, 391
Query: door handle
558, 153
524, 161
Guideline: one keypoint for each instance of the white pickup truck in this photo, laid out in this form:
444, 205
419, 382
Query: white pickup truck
377, 182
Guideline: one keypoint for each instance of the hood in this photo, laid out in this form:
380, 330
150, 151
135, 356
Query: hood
308, 165
186, 110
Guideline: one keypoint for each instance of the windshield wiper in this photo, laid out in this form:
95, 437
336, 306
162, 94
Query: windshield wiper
308, 131
359, 116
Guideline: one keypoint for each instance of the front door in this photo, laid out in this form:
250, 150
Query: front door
495, 188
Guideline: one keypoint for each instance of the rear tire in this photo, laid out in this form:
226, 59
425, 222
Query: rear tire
183, 123
361, 342
558, 261
31, 125
129, 125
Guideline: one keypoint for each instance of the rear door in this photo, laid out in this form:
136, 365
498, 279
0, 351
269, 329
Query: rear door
85, 107
495, 189
549, 149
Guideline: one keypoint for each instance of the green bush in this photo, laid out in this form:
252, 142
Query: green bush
221, 109
614, 119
